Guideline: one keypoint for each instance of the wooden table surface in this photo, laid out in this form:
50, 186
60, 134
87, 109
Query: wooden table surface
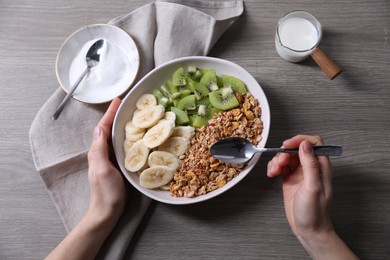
248, 222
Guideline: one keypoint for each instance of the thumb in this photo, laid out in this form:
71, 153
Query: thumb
310, 164
99, 148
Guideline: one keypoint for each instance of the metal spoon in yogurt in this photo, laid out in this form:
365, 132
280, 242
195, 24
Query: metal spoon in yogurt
92, 58
238, 150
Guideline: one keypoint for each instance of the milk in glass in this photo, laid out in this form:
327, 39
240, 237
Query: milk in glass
296, 36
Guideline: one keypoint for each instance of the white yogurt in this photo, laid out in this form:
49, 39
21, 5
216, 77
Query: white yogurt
112, 71
295, 38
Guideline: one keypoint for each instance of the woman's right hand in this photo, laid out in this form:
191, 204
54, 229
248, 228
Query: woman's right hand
307, 193
307, 186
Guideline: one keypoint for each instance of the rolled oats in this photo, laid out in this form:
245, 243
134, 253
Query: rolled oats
200, 172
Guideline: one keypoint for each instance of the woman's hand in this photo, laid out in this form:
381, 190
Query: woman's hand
307, 192
307, 186
107, 202
108, 193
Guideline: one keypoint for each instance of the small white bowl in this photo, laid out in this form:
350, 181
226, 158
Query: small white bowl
105, 87
155, 79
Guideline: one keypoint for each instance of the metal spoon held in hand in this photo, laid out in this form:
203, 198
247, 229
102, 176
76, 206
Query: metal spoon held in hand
238, 150
92, 58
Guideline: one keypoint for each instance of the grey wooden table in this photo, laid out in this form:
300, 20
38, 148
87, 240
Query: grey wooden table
247, 222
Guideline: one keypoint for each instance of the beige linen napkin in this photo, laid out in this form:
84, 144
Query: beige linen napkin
162, 30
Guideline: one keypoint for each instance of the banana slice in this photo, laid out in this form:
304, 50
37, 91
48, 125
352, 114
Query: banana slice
131, 129
148, 117
127, 144
136, 111
184, 131
170, 115
164, 158
156, 176
158, 134
145, 101
137, 156
176, 145
134, 137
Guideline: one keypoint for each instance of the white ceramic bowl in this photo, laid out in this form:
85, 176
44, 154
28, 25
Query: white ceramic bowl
120, 50
156, 78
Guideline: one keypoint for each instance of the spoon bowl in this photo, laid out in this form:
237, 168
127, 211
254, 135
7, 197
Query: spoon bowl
237, 150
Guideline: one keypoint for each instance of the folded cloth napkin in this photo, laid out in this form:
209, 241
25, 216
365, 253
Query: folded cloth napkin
162, 30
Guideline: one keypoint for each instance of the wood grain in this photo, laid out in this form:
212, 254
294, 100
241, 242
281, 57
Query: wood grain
247, 222
325, 63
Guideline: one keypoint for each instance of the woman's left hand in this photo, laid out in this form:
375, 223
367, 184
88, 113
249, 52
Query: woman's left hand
108, 193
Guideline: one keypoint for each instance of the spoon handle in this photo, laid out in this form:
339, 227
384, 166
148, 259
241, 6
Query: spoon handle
326, 150
69, 95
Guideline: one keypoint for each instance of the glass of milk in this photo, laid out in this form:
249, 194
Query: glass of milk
297, 36
298, 33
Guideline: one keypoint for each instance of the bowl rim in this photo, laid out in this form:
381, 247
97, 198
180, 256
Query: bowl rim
219, 191
116, 28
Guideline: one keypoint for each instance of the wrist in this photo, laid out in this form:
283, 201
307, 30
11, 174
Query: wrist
99, 223
326, 245
316, 239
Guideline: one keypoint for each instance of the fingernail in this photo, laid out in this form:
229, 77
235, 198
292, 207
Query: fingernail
98, 132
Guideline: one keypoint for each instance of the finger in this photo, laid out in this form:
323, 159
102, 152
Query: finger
272, 169
298, 139
294, 161
108, 118
327, 174
310, 164
280, 162
99, 148
325, 168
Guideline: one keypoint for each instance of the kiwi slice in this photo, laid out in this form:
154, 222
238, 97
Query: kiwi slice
204, 101
191, 70
197, 75
219, 82
191, 113
181, 116
172, 88
157, 93
185, 92
203, 71
199, 89
191, 119
194, 73
164, 90
189, 84
165, 102
209, 79
178, 77
187, 103
161, 99
223, 99
203, 116
237, 85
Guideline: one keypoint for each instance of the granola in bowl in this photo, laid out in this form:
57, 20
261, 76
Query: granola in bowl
202, 173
